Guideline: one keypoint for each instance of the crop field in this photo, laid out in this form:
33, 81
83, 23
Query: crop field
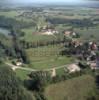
78, 89
47, 57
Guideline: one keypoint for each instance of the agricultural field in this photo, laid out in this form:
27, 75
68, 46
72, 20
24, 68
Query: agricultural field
10, 14
89, 34
78, 89
47, 57
49, 50
31, 37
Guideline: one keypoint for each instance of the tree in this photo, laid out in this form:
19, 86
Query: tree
10, 86
38, 81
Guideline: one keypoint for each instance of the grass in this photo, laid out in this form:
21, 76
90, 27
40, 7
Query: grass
22, 74
60, 71
10, 14
86, 34
73, 89
31, 37
6, 40
47, 57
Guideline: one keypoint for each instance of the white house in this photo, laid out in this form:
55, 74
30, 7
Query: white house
49, 32
18, 63
73, 68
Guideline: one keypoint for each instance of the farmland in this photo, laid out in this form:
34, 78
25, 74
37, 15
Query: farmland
78, 88
47, 57
50, 51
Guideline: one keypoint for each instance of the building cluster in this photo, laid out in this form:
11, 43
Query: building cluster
46, 30
70, 33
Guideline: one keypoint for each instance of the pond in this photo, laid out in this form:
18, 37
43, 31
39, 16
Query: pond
4, 31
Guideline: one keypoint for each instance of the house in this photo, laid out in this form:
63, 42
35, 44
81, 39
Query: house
69, 33
73, 68
49, 32
93, 46
18, 63
92, 65
76, 43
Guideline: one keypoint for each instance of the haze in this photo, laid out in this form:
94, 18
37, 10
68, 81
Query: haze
47, 1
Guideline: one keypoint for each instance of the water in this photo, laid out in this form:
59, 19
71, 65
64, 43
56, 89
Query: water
4, 31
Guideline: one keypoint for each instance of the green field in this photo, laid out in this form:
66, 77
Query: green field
31, 37
10, 14
22, 74
87, 33
74, 89
47, 57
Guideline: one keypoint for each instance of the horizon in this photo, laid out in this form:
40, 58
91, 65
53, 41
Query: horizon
51, 1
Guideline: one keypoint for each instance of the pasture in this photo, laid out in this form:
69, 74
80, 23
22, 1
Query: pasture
89, 34
74, 89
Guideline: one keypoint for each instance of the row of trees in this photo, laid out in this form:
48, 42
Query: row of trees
27, 45
72, 22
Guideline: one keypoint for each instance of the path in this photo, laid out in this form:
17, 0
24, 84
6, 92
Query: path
14, 67
52, 70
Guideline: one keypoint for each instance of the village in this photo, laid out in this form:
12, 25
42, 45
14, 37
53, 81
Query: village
85, 53
49, 50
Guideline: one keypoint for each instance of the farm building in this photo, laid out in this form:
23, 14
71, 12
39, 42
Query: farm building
69, 33
49, 32
73, 68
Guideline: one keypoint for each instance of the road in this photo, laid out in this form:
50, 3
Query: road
14, 67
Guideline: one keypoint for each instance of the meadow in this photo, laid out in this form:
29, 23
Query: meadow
22, 74
78, 89
88, 34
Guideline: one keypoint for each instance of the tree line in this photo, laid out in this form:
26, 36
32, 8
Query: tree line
72, 22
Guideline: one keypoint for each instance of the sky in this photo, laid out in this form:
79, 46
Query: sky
47, 1
70, 1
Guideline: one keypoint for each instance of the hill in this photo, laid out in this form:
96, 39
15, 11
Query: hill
74, 89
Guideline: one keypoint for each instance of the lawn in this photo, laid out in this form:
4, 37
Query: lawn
47, 57
74, 89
